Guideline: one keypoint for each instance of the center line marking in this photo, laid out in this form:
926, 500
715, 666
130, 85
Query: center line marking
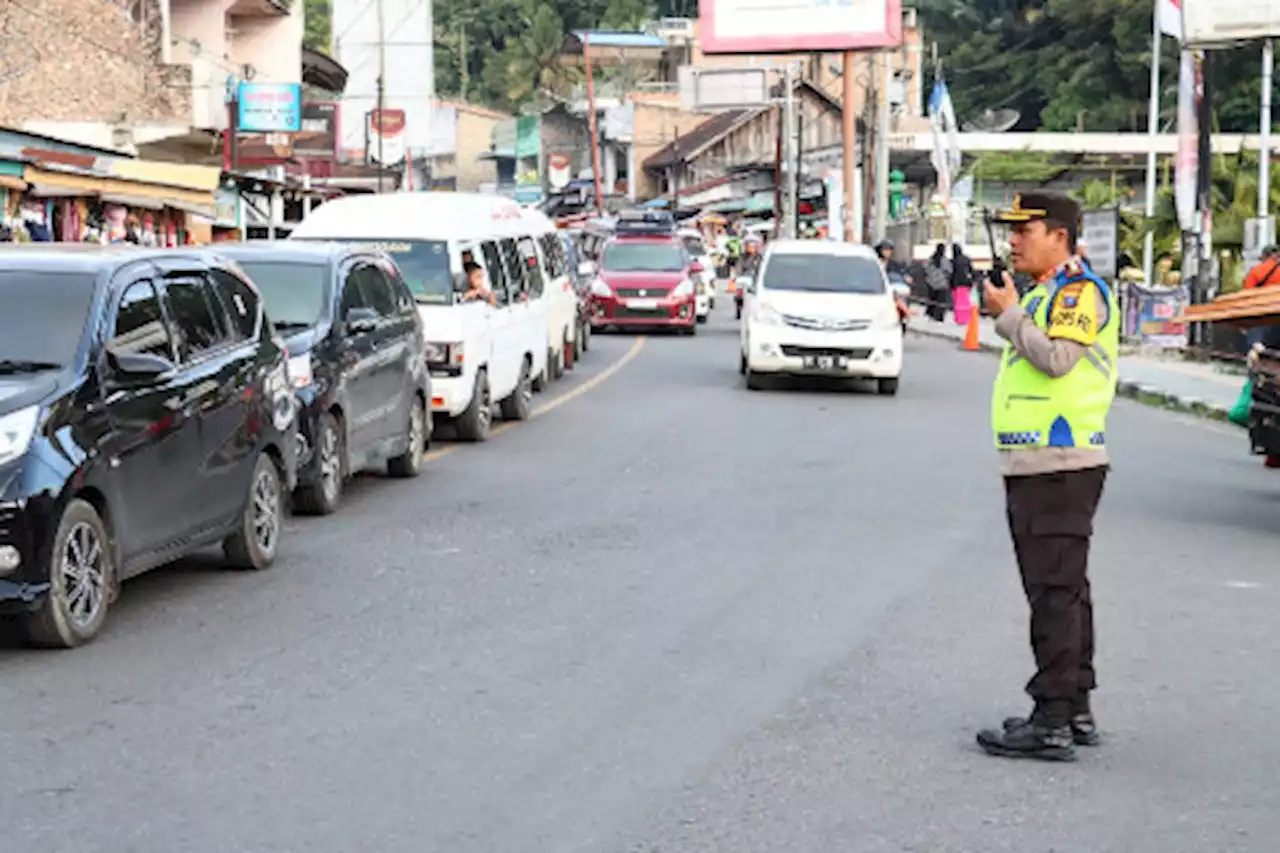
552, 404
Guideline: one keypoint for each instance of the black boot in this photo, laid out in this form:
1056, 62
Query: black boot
1084, 728
1044, 737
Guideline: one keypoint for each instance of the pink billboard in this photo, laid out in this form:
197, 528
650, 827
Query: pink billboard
798, 26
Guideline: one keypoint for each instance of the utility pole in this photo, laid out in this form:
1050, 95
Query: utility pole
1264, 130
789, 117
850, 134
382, 77
882, 146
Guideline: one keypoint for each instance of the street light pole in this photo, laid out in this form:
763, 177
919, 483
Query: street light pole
850, 132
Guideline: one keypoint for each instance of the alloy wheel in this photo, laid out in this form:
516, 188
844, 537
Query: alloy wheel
83, 575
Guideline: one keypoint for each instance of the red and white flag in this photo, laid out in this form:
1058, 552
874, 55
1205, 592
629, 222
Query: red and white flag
1169, 13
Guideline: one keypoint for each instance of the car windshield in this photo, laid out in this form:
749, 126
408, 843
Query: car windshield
424, 264
643, 257
42, 318
823, 274
294, 294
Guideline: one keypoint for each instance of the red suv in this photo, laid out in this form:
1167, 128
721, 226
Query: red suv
645, 280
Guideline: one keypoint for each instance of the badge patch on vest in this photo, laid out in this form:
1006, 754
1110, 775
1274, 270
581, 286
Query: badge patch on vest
1074, 315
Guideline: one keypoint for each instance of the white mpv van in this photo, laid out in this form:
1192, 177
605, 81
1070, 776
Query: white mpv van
478, 355
820, 308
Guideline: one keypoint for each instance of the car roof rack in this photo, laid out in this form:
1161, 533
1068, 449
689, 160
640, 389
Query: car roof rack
647, 222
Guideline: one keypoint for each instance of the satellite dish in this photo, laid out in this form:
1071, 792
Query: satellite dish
991, 121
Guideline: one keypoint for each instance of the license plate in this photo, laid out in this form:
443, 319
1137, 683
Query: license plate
643, 304
824, 362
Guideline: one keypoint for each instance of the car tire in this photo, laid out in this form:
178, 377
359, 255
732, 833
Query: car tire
474, 424
704, 318
519, 405
409, 463
555, 363
887, 387
755, 381
578, 347
586, 337
256, 540
82, 541
324, 497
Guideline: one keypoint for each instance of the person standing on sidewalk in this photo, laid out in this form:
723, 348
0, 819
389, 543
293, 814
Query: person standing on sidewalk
1056, 383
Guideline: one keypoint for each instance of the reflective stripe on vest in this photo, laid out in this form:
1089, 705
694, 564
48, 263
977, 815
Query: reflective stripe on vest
1029, 409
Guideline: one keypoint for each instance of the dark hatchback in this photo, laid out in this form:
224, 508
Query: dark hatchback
145, 413
357, 360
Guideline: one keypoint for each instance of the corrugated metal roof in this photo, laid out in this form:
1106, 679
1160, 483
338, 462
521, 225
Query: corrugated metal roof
606, 38
689, 145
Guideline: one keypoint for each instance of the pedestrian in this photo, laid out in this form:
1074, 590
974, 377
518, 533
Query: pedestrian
937, 281
961, 284
1056, 383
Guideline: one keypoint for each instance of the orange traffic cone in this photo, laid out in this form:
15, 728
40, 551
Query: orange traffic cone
971, 330
733, 285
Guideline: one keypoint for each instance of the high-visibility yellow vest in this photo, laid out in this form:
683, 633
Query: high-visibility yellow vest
1030, 409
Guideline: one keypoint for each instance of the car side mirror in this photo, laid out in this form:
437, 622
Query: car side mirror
587, 268
360, 320
134, 367
696, 268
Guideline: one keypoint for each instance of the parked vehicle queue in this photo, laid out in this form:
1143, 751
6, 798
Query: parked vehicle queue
156, 401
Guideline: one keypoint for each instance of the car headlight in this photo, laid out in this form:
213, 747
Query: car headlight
599, 288
682, 290
16, 431
766, 315
299, 368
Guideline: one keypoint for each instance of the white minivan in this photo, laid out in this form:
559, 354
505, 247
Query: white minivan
479, 355
819, 308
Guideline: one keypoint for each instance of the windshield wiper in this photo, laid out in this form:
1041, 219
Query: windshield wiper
12, 366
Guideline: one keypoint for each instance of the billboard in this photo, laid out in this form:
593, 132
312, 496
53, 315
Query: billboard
799, 26
1217, 23
716, 89
318, 139
269, 107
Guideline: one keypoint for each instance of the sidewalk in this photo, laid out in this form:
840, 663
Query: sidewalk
1202, 389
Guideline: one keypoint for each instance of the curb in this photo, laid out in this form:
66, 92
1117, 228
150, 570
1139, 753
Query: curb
1146, 394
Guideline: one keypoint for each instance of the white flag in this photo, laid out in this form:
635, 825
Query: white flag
1169, 13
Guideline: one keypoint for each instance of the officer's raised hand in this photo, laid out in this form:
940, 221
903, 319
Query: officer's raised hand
997, 300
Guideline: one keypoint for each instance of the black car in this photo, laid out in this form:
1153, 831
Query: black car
145, 413
357, 360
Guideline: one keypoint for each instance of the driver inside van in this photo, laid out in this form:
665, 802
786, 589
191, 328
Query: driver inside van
477, 288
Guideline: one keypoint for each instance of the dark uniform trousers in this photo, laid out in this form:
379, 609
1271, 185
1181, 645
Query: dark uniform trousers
1051, 522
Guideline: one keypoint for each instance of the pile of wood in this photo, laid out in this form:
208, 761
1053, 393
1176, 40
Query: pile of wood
1257, 307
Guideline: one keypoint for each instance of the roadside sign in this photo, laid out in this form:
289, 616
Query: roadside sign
1101, 231
713, 90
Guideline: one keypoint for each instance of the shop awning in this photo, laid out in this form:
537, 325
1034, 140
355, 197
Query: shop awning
48, 183
133, 201
11, 182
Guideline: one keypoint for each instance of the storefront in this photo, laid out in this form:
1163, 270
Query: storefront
65, 204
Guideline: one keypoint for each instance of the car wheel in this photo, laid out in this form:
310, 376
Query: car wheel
474, 423
324, 496
755, 381
888, 387
409, 463
702, 318
257, 537
519, 405
578, 347
81, 573
555, 364
586, 337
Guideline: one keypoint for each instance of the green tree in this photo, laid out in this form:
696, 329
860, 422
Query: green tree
317, 21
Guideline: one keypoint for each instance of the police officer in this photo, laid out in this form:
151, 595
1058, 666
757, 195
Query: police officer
1049, 409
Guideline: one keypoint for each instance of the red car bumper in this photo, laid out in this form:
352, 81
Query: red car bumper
618, 311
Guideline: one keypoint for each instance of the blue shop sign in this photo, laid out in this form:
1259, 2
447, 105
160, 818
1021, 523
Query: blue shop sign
270, 107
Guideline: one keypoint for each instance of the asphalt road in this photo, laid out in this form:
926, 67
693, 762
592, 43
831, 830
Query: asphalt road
674, 615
